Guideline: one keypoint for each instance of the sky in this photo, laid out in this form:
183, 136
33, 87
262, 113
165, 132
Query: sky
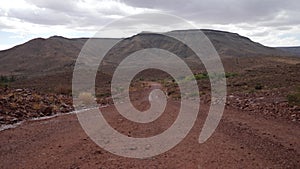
270, 22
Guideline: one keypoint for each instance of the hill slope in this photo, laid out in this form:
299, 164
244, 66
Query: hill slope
40, 56
293, 50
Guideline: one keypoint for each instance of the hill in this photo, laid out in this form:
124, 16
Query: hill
55, 54
293, 50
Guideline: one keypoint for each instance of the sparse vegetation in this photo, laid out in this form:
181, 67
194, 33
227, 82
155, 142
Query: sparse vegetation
86, 98
294, 98
258, 86
230, 74
200, 76
6, 80
63, 89
101, 95
37, 106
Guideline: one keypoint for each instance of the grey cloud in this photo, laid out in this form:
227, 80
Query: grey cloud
246, 15
262, 33
256, 12
65, 12
284, 28
45, 17
222, 12
68, 6
290, 18
72, 7
4, 26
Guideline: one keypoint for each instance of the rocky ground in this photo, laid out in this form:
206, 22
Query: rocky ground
270, 104
242, 140
259, 128
21, 104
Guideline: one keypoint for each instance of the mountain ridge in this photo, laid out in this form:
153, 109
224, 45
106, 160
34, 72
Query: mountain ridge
291, 49
55, 53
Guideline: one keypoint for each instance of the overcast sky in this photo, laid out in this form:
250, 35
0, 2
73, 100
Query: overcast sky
270, 22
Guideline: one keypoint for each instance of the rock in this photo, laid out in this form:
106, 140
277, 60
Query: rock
148, 146
47, 111
14, 120
64, 105
21, 104
132, 148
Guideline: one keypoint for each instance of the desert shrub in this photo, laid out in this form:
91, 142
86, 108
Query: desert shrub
86, 98
103, 95
200, 76
120, 89
258, 86
294, 98
194, 94
6, 80
230, 74
63, 89
37, 106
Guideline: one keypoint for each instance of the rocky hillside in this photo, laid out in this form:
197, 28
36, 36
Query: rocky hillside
293, 50
40, 55
43, 56
233, 45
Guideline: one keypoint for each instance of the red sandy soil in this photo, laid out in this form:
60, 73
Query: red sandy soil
242, 140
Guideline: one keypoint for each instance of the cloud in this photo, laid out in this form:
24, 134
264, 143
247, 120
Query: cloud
67, 6
40, 16
221, 11
70, 13
265, 21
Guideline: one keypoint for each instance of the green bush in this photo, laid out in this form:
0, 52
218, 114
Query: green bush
230, 74
200, 76
6, 80
294, 99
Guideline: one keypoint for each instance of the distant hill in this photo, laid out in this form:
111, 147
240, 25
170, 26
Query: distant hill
40, 56
234, 45
293, 50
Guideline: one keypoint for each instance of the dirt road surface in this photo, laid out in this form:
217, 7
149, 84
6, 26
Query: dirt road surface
242, 140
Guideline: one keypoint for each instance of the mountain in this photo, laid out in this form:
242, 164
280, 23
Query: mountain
234, 45
58, 54
293, 50
40, 55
